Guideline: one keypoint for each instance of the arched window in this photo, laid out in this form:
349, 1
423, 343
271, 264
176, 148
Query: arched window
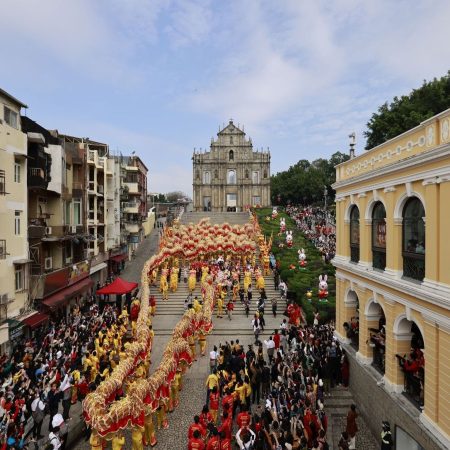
231, 177
206, 177
265, 173
379, 236
414, 239
246, 173
216, 174
231, 155
354, 234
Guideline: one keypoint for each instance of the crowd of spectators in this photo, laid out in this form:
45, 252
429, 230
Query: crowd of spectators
273, 398
318, 225
48, 373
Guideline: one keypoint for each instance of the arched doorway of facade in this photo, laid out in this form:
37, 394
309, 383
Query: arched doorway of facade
351, 326
377, 335
411, 360
414, 239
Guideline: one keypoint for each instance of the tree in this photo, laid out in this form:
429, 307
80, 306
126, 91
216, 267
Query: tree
304, 182
175, 196
408, 111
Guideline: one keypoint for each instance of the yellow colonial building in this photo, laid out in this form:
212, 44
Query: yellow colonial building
393, 281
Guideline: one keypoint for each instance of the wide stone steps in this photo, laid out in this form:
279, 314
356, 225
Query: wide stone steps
240, 324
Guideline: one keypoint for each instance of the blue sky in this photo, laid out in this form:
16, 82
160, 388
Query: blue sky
160, 76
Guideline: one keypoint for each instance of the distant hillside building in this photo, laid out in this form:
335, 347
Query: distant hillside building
231, 176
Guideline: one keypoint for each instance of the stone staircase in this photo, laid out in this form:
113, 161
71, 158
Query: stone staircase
239, 325
234, 218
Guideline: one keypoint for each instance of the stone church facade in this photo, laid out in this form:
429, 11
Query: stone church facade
231, 176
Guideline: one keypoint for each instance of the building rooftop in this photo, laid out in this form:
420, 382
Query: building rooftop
13, 99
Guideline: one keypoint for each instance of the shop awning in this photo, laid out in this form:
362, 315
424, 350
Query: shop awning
35, 320
118, 286
64, 295
119, 258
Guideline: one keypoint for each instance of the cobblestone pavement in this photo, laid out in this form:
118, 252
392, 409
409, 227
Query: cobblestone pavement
364, 437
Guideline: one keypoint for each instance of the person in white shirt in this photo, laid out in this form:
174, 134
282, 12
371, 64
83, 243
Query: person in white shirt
37, 412
248, 438
213, 354
53, 439
270, 346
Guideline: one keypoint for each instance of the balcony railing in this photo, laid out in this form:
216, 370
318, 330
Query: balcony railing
414, 265
36, 178
36, 172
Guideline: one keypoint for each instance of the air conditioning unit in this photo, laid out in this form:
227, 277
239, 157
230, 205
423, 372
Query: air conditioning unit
4, 299
69, 260
73, 229
48, 230
48, 263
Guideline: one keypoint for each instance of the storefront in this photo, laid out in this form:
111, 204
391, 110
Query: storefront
62, 301
33, 321
117, 263
66, 288
15, 331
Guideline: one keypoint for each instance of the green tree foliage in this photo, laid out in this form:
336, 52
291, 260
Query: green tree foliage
408, 111
304, 182
174, 196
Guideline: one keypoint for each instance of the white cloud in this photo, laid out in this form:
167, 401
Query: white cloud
190, 22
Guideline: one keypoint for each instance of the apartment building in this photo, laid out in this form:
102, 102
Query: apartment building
393, 282
14, 273
117, 244
59, 267
133, 200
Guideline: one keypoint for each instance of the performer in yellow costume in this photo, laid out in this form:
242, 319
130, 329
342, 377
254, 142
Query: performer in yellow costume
118, 441
96, 441
161, 420
163, 278
202, 342
192, 280
205, 271
196, 305
174, 279
149, 431
164, 286
266, 263
219, 307
260, 282
191, 342
136, 439
247, 279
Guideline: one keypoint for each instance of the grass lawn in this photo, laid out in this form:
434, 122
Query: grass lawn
299, 280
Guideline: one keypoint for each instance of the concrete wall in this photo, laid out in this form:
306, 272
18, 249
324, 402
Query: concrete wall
376, 405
